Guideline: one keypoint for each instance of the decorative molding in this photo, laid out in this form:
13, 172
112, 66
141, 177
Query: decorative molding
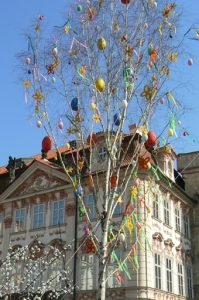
8, 222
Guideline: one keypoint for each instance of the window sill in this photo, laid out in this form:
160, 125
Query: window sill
168, 226
157, 219
58, 225
18, 232
37, 229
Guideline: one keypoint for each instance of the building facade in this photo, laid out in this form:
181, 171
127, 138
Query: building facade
38, 209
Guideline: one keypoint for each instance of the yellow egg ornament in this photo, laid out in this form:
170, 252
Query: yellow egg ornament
100, 84
170, 132
101, 44
67, 146
92, 106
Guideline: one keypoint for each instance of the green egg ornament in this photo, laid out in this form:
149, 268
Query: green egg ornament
79, 7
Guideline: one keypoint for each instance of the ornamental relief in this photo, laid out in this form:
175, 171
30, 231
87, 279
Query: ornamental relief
37, 182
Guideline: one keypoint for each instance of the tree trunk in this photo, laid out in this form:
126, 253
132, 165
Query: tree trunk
102, 263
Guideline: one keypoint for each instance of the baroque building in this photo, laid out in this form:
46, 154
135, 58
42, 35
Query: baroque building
38, 209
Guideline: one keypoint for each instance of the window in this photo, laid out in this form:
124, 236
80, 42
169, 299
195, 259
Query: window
1, 223
58, 212
20, 215
87, 272
102, 153
38, 216
189, 282
177, 219
166, 212
113, 278
169, 275
186, 226
89, 204
156, 207
55, 273
157, 271
180, 280
34, 276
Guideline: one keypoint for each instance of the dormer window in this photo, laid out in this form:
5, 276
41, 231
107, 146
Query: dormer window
102, 153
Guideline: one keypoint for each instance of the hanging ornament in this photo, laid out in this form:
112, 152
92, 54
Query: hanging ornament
125, 1
144, 138
92, 139
121, 237
79, 190
124, 104
39, 124
144, 163
190, 61
67, 146
92, 106
47, 144
79, 7
60, 124
117, 119
74, 104
146, 25
162, 101
55, 51
100, 84
152, 140
113, 181
185, 133
101, 44
53, 79
28, 60
170, 132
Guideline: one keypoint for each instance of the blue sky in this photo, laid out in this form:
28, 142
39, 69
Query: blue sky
18, 134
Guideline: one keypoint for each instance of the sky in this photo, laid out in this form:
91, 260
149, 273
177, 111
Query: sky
19, 136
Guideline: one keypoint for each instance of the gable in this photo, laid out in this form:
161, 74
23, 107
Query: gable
39, 181
38, 178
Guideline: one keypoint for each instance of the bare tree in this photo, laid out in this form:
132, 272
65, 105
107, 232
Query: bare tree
106, 66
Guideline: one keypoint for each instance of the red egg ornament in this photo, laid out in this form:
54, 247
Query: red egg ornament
152, 140
125, 1
47, 144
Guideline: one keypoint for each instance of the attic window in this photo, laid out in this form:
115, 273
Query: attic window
102, 153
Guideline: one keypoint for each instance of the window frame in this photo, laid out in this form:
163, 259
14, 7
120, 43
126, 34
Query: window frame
158, 271
102, 153
88, 268
58, 210
15, 219
177, 220
186, 226
156, 207
180, 280
166, 213
33, 214
189, 278
169, 283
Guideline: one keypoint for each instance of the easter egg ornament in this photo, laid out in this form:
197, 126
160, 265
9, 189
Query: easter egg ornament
79, 7
101, 44
124, 104
190, 62
55, 51
92, 106
39, 124
74, 104
100, 84
125, 1
47, 144
152, 140
117, 119
28, 60
170, 132
60, 124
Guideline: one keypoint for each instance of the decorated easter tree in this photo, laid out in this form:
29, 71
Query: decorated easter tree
106, 67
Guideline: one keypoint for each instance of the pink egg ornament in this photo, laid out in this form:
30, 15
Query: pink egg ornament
162, 101
60, 125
